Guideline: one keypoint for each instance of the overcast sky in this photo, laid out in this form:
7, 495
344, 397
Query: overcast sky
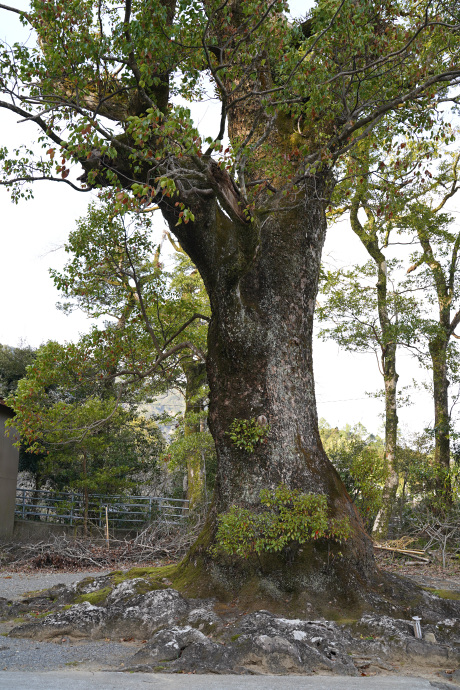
33, 233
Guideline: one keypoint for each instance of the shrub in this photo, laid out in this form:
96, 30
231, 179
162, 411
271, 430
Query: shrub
287, 518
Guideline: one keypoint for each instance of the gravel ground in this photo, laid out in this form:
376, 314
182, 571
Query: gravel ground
29, 655
14, 586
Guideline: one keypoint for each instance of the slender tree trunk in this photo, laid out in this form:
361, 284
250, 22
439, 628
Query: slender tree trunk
260, 366
388, 344
195, 373
444, 283
438, 353
381, 524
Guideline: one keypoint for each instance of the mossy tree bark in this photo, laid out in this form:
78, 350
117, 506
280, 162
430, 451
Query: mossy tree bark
261, 278
444, 279
369, 237
390, 488
438, 354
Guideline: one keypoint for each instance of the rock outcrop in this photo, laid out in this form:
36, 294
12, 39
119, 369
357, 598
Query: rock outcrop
184, 635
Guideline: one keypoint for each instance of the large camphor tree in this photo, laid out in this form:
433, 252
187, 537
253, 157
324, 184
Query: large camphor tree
107, 86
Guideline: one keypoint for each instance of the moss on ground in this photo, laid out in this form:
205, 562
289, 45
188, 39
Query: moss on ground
96, 598
158, 575
117, 577
44, 614
444, 593
141, 572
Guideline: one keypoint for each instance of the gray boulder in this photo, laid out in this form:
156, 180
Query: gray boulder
262, 643
125, 614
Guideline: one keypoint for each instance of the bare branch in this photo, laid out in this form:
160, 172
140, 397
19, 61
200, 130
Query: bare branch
23, 13
185, 325
7, 183
41, 123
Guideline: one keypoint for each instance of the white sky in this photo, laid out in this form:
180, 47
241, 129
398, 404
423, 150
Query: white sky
32, 236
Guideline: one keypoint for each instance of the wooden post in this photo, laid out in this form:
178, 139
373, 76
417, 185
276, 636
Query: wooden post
107, 526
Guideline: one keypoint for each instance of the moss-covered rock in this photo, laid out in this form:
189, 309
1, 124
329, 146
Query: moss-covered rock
445, 593
96, 598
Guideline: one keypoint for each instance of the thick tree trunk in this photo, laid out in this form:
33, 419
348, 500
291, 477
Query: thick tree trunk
438, 353
262, 282
381, 524
260, 364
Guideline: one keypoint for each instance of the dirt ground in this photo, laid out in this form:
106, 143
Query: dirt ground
430, 575
16, 580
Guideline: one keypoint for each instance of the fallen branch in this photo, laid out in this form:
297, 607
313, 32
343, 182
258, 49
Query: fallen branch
407, 552
157, 542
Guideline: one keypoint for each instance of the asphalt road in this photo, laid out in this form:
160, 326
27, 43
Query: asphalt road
15, 586
84, 680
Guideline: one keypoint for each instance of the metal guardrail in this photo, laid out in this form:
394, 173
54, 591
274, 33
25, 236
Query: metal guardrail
123, 511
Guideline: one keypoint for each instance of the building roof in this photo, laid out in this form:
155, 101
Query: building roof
4, 408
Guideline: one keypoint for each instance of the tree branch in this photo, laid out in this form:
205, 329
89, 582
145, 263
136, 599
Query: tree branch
41, 123
6, 183
23, 13
184, 326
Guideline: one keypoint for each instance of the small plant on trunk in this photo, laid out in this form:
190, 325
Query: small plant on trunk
247, 433
287, 518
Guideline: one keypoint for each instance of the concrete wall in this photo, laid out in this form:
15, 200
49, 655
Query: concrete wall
9, 459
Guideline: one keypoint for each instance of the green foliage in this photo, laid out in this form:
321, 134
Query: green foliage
115, 271
72, 393
287, 518
13, 365
193, 450
91, 63
349, 310
424, 481
110, 462
247, 433
359, 459
152, 315
84, 439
